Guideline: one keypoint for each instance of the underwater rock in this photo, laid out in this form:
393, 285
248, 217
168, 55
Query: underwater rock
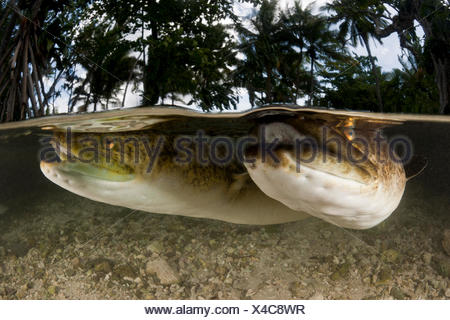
22, 292
326, 234
163, 271
427, 257
103, 267
124, 271
384, 276
446, 241
299, 290
19, 248
75, 262
390, 255
342, 272
99, 265
397, 293
442, 266
9, 292
272, 292
52, 290
155, 247
317, 296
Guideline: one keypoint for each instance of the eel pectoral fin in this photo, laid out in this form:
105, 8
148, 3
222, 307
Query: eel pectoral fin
239, 182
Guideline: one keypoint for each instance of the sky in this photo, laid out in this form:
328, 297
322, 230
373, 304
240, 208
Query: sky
386, 53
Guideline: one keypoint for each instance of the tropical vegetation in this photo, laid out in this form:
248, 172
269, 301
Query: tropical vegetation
207, 54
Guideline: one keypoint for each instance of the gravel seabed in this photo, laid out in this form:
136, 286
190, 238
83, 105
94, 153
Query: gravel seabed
56, 245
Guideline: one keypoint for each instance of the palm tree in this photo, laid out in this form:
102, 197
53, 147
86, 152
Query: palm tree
105, 56
265, 67
260, 49
311, 35
294, 26
358, 19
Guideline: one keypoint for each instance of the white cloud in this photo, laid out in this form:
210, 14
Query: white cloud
387, 53
317, 4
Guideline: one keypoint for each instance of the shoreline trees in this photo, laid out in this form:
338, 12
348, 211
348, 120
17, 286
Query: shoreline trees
201, 53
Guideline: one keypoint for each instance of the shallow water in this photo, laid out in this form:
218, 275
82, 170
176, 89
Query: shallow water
55, 244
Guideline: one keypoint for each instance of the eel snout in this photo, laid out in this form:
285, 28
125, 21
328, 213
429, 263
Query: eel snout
335, 192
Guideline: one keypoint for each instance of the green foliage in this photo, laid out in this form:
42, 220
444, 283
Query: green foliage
184, 50
105, 57
277, 49
351, 86
312, 33
198, 65
408, 90
359, 20
433, 51
263, 70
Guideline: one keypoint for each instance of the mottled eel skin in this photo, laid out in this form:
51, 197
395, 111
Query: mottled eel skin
114, 168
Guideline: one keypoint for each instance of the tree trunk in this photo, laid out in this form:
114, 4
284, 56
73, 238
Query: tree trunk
125, 92
149, 81
24, 81
7, 32
311, 88
404, 21
35, 75
129, 78
50, 91
268, 85
377, 78
77, 96
441, 78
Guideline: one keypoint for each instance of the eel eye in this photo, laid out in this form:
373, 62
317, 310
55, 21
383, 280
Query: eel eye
349, 133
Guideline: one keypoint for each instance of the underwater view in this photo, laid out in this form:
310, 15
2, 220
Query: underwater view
56, 244
183, 153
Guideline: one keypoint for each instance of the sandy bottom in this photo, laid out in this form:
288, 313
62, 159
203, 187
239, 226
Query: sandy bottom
66, 247
56, 245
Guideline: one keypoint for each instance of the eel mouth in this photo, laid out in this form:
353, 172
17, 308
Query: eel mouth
84, 169
90, 180
79, 161
96, 183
